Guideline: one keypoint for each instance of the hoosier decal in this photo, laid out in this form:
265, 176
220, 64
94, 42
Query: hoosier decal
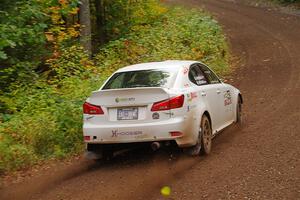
115, 133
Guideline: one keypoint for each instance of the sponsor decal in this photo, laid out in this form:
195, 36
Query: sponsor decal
227, 98
144, 136
188, 97
155, 116
115, 133
117, 100
189, 108
191, 96
186, 85
168, 113
185, 70
88, 117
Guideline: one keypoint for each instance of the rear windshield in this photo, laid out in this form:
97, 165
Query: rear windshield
141, 78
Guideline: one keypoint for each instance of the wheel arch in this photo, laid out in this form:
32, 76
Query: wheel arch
241, 97
206, 113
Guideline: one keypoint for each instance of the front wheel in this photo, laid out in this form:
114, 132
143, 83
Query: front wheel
204, 141
239, 111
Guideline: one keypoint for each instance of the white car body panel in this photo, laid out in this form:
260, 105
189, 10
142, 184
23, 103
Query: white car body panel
218, 100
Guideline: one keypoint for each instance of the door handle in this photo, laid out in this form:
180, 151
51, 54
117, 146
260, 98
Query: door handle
218, 91
203, 94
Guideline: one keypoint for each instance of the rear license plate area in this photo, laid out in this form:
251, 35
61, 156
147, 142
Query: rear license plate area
127, 113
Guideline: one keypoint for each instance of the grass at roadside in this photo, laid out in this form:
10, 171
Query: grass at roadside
293, 4
46, 119
287, 1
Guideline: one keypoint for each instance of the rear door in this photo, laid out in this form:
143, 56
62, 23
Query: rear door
208, 93
220, 96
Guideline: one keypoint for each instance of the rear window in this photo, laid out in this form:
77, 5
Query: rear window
141, 78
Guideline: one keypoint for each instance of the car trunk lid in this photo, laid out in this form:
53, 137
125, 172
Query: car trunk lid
130, 105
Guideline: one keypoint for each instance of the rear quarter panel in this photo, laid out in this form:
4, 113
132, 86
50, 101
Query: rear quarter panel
194, 107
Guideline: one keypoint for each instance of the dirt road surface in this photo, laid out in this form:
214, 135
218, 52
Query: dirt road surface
261, 160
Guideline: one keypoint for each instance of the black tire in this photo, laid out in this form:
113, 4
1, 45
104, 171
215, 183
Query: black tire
107, 152
239, 112
203, 145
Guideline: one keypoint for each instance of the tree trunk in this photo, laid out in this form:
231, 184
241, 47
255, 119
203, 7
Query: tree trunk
85, 22
100, 21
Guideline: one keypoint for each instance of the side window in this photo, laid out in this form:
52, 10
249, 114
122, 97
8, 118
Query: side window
196, 75
212, 78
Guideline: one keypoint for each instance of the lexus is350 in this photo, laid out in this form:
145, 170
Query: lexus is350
154, 103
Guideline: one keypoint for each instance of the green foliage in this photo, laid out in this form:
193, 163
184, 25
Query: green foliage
14, 156
113, 19
22, 40
23, 43
73, 61
47, 115
123, 14
288, 1
178, 35
21, 29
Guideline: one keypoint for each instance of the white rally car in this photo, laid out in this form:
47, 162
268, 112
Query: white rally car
159, 102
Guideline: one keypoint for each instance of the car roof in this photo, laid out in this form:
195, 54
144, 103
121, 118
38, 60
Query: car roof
168, 64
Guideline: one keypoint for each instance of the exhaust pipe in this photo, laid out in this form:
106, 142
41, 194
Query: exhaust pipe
90, 155
155, 146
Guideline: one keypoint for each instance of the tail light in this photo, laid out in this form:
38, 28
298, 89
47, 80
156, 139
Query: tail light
172, 103
176, 133
87, 138
92, 109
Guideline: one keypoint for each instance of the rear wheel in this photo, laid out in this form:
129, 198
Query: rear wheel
204, 141
107, 152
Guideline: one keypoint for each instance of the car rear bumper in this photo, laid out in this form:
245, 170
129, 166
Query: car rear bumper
141, 132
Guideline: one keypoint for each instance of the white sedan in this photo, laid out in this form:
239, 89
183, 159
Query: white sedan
159, 102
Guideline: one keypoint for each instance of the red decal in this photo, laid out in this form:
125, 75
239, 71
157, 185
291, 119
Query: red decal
193, 95
185, 70
227, 98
